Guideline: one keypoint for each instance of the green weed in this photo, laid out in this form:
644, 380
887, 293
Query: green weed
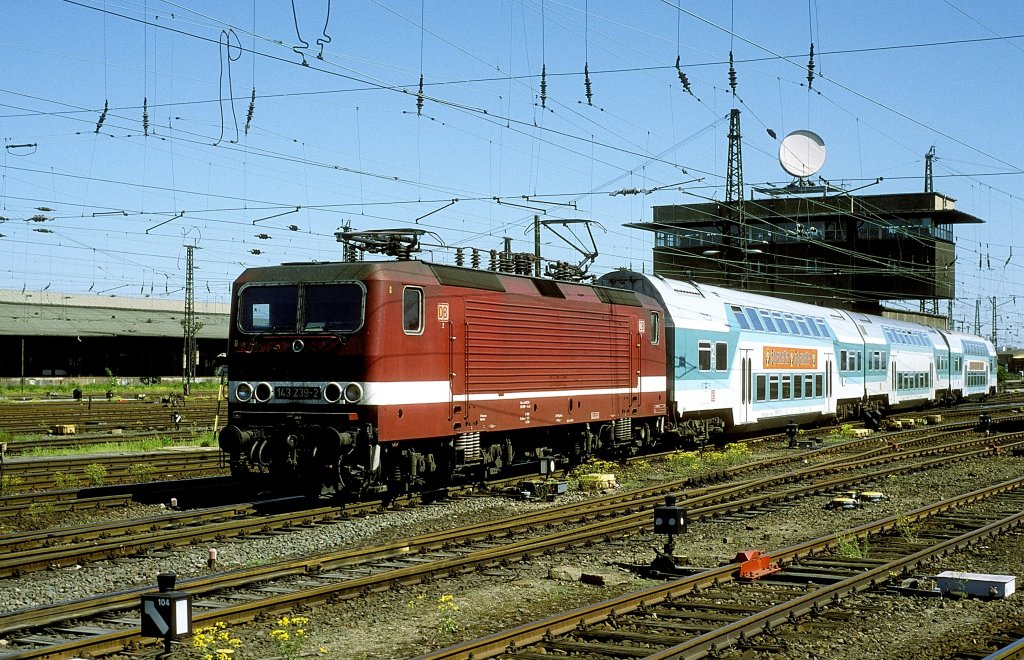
851, 547
96, 474
65, 481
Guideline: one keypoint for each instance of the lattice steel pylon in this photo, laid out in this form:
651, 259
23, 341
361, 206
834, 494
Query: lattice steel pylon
734, 168
189, 323
734, 190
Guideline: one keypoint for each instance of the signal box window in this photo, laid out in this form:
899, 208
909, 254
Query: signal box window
412, 311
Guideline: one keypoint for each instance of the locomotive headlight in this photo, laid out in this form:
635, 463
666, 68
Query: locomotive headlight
243, 392
333, 392
263, 392
353, 393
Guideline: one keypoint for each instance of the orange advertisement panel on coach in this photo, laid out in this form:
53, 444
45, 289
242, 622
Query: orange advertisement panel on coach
784, 357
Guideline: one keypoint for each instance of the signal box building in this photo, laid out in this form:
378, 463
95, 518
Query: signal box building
845, 251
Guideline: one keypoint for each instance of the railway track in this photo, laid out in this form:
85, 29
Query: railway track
78, 544
41, 473
190, 493
41, 418
703, 614
345, 574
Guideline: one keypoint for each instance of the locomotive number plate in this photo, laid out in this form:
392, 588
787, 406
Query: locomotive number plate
290, 392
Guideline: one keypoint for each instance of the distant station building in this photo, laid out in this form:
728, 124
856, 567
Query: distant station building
837, 250
44, 334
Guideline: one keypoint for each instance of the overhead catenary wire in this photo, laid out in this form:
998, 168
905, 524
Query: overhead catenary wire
549, 104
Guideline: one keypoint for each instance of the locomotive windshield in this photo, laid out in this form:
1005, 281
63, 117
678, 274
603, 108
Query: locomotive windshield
333, 307
323, 308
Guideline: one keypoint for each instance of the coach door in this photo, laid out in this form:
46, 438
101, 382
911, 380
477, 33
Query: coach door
746, 386
635, 352
830, 397
458, 369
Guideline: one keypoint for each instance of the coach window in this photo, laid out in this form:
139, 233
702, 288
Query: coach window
704, 356
755, 320
819, 385
773, 388
412, 310
721, 356
741, 318
655, 331
762, 381
780, 323
793, 327
786, 387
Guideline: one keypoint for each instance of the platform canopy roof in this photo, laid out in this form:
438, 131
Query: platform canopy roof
54, 314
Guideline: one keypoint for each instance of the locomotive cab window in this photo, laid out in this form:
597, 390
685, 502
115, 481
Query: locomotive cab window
654, 329
268, 308
333, 307
412, 310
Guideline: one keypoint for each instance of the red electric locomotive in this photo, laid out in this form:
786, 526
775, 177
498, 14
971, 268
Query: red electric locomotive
375, 378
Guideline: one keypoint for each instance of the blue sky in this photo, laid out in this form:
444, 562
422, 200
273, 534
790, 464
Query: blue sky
339, 141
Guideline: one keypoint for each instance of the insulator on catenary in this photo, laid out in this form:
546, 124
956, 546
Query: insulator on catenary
586, 83
419, 98
732, 73
460, 259
145, 116
523, 263
544, 86
493, 263
103, 116
252, 109
474, 258
810, 68
683, 79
